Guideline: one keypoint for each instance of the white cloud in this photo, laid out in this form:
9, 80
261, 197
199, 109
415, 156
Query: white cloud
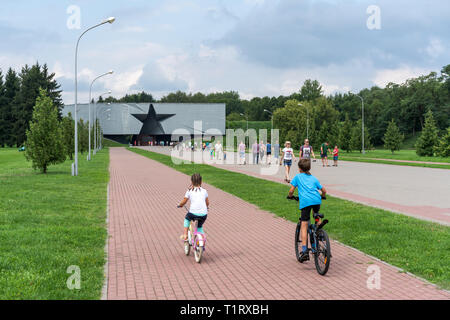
398, 75
435, 48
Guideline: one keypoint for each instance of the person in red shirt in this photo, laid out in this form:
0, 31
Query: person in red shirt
335, 156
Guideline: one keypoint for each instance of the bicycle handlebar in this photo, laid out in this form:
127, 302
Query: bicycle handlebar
297, 198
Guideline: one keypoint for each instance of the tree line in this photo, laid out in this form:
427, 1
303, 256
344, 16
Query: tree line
407, 104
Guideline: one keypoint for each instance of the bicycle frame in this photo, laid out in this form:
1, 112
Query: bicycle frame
193, 234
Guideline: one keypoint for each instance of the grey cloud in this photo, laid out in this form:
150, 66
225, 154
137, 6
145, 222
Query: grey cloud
153, 79
17, 40
317, 33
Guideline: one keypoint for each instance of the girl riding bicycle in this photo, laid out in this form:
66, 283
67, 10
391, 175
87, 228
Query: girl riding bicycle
199, 205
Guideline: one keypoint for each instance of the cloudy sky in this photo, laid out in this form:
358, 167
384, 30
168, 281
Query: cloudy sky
255, 47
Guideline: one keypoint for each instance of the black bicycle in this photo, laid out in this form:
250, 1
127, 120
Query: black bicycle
319, 243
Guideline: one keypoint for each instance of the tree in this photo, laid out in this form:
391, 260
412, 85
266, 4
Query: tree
3, 107
311, 90
32, 79
68, 129
425, 145
442, 149
345, 135
43, 145
291, 121
393, 138
356, 138
83, 136
11, 88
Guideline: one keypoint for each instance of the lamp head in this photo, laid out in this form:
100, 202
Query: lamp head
111, 71
110, 20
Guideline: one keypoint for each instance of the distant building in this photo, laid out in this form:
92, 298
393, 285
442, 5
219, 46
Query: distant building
155, 123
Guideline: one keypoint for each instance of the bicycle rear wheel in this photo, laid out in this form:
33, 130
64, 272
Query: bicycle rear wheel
322, 254
298, 242
198, 253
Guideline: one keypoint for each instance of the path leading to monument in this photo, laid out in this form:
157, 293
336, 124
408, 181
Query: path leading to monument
415, 191
249, 253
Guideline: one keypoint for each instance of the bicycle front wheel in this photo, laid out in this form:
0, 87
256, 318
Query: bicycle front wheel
322, 254
298, 242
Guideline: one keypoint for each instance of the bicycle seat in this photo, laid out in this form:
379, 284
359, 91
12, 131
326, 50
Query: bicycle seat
318, 215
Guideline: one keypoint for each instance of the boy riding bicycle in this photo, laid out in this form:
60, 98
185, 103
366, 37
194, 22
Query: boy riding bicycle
309, 198
199, 205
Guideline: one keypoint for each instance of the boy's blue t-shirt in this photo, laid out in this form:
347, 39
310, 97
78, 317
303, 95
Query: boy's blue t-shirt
308, 187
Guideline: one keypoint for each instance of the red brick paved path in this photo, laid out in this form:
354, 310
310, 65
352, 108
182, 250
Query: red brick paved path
146, 258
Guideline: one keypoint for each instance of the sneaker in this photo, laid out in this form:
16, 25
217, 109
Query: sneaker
304, 256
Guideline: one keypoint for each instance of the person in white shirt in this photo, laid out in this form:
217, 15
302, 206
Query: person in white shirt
218, 148
287, 158
242, 153
199, 205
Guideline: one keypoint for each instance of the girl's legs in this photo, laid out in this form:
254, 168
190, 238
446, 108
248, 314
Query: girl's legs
286, 172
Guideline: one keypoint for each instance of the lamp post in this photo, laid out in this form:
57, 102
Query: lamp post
90, 95
246, 117
362, 116
271, 121
75, 165
95, 122
307, 120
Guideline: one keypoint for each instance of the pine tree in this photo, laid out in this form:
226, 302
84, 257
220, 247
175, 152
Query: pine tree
393, 138
31, 80
356, 138
3, 106
44, 138
442, 149
83, 136
425, 145
345, 134
12, 87
68, 127
322, 135
333, 134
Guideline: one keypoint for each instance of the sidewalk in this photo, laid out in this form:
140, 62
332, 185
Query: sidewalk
249, 253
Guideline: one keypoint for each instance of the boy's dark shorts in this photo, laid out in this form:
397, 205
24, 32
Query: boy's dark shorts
306, 212
324, 155
201, 219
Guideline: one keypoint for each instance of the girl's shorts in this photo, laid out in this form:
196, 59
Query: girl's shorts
288, 163
335, 158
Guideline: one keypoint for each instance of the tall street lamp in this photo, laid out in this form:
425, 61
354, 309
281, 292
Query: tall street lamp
90, 98
362, 126
271, 121
75, 165
246, 117
95, 122
307, 120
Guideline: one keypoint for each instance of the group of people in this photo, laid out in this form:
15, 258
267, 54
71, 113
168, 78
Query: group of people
306, 151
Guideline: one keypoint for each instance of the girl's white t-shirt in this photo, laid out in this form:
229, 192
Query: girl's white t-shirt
198, 204
288, 152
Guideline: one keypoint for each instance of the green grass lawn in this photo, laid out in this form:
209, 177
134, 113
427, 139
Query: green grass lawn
378, 156
112, 144
398, 155
416, 246
50, 222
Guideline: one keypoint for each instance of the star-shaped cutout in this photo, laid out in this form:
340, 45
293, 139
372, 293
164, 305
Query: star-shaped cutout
152, 121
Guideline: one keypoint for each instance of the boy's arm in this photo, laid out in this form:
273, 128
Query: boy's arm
291, 191
183, 202
324, 191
